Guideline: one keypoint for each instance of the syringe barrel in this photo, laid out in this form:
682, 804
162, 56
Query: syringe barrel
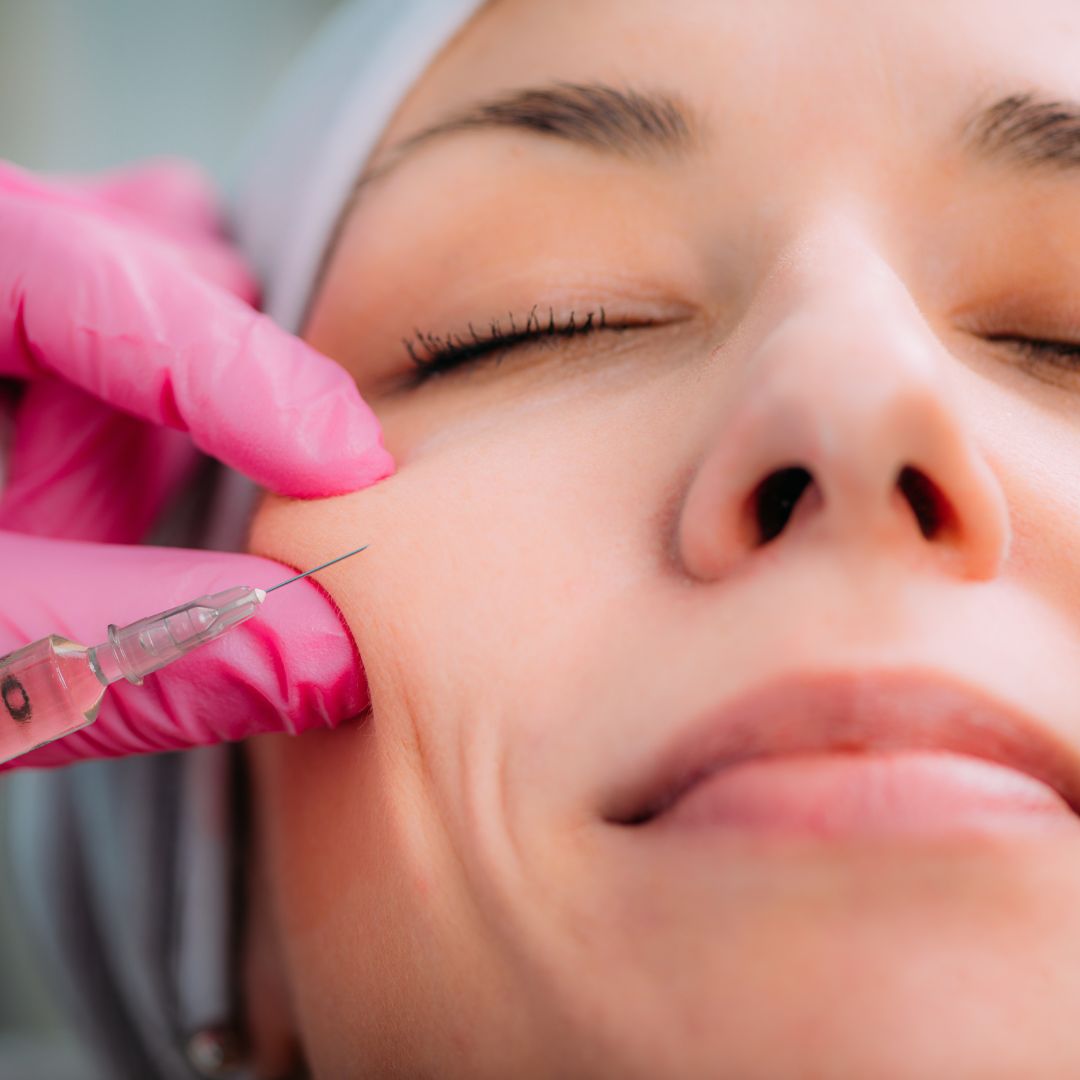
48, 689
147, 645
53, 687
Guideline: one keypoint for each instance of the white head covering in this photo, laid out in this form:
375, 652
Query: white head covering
127, 870
323, 124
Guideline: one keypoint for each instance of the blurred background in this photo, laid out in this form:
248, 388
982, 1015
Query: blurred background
88, 85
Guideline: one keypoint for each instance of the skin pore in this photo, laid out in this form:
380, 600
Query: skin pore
834, 265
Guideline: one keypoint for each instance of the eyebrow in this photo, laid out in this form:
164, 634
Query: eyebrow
1027, 130
634, 124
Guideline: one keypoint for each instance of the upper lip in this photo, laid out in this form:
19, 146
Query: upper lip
846, 711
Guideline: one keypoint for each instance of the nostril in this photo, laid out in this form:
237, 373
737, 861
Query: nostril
775, 499
926, 500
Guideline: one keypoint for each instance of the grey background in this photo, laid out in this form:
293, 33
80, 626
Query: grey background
87, 85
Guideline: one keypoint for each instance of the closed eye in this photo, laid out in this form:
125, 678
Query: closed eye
433, 354
1063, 354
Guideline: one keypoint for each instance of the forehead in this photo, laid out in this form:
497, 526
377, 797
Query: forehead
789, 66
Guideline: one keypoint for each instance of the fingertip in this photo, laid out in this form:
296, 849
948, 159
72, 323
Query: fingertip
376, 464
323, 477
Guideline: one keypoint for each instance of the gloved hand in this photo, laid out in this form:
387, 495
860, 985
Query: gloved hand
127, 322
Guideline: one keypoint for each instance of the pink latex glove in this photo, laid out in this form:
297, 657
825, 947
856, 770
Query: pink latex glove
127, 322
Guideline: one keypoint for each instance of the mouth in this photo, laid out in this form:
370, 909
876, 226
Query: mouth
859, 754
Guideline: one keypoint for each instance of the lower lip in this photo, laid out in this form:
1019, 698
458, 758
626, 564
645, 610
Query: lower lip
847, 795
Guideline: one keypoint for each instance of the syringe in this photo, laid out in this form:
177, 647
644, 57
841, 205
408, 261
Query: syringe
52, 687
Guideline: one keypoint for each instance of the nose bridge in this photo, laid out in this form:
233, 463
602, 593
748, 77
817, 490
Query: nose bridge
848, 372
836, 298
842, 405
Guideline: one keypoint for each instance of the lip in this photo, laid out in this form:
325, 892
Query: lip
863, 715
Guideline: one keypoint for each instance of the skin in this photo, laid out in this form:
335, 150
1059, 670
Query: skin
562, 578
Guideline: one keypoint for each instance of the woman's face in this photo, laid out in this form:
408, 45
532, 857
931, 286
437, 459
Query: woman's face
801, 262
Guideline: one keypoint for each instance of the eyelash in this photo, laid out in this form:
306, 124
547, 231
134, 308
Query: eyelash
434, 355
1063, 354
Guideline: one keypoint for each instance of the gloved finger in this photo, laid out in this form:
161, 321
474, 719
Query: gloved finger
293, 667
171, 201
175, 200
81, 470
126, 322
169, 194
217, 263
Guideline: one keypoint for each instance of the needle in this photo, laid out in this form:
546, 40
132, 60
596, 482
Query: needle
308, 573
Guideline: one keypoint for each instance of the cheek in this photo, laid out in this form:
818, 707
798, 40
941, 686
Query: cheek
478, 536
492, 550
499, 523
505, 558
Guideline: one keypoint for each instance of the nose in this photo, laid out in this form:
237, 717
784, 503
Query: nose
840, 429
